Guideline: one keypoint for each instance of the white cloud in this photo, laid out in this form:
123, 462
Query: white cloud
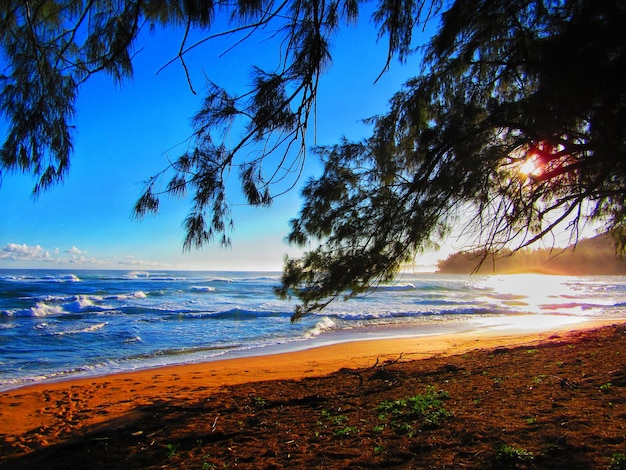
30, 256
23, 252
85, 260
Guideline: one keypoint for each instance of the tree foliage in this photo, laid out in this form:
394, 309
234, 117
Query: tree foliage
515, 125
51, 47
48, 49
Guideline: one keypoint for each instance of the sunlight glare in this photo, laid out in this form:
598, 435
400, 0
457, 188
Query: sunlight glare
533, 292
530, 167
530, 322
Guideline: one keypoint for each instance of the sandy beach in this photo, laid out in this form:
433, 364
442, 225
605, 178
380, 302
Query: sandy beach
320, 407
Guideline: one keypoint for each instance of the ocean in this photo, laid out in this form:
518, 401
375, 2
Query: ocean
58, 324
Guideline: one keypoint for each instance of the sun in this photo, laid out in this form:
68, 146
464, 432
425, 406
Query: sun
531, 167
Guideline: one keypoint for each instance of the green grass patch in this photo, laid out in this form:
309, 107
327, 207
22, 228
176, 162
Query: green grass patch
604, 388
171, 450
618, 462
338, 424
508, 456
426, 409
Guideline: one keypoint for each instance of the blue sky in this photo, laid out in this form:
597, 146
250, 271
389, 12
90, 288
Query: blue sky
126, 133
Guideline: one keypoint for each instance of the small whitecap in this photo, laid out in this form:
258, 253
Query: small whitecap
84, 303
396, 287
202, 288
325, 324
137, 275
42, 309
88, 329
135, 339
62, 278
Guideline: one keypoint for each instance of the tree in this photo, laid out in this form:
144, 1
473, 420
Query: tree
515, 124
51, 47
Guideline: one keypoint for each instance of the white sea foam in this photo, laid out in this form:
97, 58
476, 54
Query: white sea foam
396, 287
88, 329
49, 298
220, 279
134, 339
58, 278
325, 324
77, 304
135, 295
87, 370
162, 277
84, 303
202, 288
137, 275
260, 278
371, 314
62, 278
41, 309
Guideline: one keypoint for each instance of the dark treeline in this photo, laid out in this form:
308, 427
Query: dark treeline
593, 256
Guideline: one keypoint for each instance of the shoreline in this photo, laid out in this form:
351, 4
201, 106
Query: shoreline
550, 399
110, 397
108, 323
426, 328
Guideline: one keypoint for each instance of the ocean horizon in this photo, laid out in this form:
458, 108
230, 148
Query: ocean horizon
57, 324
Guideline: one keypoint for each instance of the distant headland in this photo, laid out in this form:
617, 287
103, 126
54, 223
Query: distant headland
592, 256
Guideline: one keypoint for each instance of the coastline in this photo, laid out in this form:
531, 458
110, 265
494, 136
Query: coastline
425, 327
58, 326
37, 405
506, 399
